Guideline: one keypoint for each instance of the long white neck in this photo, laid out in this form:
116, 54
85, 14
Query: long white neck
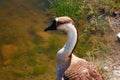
67, 49
64, 53
71, 42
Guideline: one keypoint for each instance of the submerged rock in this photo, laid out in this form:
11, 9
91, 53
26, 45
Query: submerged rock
8, 51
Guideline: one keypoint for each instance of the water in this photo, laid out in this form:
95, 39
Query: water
23, 41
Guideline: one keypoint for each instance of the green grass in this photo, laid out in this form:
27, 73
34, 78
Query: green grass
65, 8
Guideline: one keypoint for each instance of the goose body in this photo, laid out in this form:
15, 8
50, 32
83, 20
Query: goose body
69, 66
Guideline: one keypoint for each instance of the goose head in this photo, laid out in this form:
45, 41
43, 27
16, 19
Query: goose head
61, 23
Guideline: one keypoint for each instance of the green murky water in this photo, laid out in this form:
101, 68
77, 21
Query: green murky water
23, 41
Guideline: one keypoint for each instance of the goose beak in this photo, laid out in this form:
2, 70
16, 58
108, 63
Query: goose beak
51, 27
48, 28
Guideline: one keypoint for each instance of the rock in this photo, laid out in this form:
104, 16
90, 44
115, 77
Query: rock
8, 51
118, 37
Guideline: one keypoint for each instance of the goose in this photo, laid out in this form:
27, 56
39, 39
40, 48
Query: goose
69, 66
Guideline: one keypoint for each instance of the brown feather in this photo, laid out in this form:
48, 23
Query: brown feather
63, 20
81, 70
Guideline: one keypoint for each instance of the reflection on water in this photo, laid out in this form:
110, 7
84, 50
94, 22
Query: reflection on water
22, 41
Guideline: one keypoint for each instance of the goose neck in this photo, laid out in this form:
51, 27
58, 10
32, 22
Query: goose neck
71, 42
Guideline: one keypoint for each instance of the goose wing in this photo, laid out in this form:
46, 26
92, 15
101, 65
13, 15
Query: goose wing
81, 70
